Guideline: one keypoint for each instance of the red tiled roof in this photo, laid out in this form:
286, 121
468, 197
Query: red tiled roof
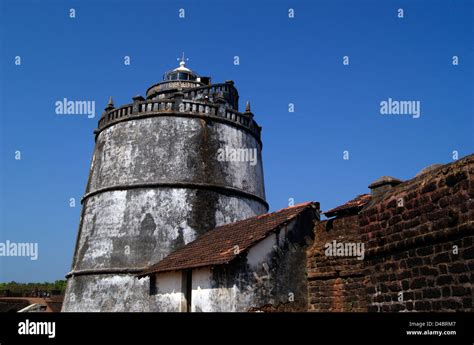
354, 204
217, 246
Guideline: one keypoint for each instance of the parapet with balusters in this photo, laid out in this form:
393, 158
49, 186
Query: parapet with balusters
207, 103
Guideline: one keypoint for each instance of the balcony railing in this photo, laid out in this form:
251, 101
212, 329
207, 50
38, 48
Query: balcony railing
178, 108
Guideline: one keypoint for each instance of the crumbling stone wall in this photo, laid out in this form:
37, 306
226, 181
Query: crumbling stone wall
419, 253
335, 283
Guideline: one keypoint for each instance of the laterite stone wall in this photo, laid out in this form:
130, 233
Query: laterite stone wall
419, 253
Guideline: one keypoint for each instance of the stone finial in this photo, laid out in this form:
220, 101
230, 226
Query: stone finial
110, 104
382, 185
247, 107
248, 111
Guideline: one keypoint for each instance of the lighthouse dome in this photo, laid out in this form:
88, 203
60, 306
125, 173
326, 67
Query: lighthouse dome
180, 73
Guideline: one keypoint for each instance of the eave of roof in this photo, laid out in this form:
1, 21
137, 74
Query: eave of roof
351, 206
217, 246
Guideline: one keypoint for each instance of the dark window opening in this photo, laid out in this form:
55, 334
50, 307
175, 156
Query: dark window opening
153, 289
187, 288
172, 76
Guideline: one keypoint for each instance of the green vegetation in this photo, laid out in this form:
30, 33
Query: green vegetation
25, 288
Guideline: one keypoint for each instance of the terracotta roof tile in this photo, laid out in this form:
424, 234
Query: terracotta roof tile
217, 246
352, 205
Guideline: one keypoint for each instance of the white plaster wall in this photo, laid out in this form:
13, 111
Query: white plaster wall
113, 220
201, 290
170, 292
208, 298
257, 254
126, 292
134, 152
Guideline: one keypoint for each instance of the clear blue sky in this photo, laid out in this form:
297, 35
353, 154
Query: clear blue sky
282, 61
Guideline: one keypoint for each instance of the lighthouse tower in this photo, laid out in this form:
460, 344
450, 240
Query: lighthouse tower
166, 169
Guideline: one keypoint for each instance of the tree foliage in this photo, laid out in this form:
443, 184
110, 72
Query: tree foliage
26, 288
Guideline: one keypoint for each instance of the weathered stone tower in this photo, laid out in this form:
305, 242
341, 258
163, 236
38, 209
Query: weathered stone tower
156, 183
